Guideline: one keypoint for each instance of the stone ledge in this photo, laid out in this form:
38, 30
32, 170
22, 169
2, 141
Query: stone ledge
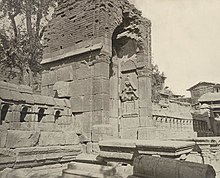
72, 53
127, 150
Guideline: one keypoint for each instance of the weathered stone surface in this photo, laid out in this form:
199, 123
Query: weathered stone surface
84, 72
130, 122
101, 70
95, 148
76, 104
3, 138
100, 102
17, 139
51, 138
65, 74
129, 133
145, 166
146, 133
101, 132
89, 148
102, 129
71, 138
62, 88
100, 117
100, 86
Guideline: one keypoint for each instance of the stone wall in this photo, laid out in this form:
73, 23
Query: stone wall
91, 47
34, 129
173, 119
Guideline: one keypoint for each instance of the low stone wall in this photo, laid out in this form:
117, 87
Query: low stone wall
36, 130
172, 119
30, 148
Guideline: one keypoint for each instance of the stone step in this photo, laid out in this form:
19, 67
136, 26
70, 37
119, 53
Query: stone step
97, 171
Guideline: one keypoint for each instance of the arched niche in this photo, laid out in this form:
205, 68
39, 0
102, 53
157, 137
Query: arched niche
57, 115
4, 111
23, 114
41, 114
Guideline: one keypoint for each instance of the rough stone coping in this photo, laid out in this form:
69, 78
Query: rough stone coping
22, 93
27, 98
14, 87
202, 140
72, 52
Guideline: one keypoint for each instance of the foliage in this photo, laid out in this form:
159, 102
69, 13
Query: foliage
21, 40
158, 80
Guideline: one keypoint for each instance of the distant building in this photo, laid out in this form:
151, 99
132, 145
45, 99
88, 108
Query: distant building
212, 100
202, 88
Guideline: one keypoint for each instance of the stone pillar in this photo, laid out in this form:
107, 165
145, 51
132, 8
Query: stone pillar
100, 91
114, 110
100, 98
144, 80
147, 129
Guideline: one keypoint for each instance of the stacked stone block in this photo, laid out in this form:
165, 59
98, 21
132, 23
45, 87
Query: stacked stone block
35, 129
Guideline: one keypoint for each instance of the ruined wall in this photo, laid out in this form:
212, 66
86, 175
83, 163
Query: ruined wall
35, 130
86, 48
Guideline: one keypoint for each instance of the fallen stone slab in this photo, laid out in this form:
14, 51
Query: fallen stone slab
157, 167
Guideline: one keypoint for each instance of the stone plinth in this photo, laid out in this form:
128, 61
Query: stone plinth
122, 150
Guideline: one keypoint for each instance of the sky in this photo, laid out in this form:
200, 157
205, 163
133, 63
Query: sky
185, 40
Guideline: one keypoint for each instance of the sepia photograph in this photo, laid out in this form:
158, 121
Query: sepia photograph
109, 89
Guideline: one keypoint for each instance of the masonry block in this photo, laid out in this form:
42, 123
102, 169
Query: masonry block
3, 138
115, 124
87, 86
17, 139
65, 74
100, 117
45, 79
52, 76
101, 69
101, 102
62, 88
146, 133
100, 86
51, 139
71, 138
83, 72
76, 88
129, 122
129, 133
101, 132
76, 103
87, 103
48, 119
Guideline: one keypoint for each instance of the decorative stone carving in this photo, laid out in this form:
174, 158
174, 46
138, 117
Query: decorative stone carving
129, 92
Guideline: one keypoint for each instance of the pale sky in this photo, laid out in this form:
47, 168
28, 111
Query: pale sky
185, 40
